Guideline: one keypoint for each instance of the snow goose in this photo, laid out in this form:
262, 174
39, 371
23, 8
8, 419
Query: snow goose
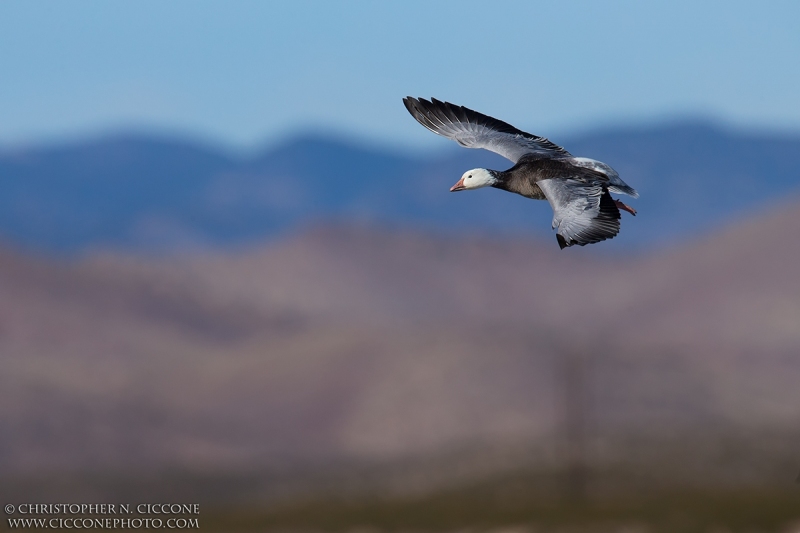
578, 188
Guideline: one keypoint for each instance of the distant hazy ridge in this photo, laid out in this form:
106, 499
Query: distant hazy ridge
347, 343
152, 193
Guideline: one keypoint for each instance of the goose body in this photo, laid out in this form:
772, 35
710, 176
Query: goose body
577, 188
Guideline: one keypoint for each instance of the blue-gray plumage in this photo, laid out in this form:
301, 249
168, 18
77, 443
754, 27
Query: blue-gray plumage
576, 187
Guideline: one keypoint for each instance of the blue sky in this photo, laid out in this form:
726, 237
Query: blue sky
248, 73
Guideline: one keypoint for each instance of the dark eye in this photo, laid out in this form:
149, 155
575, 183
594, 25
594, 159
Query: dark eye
469, 176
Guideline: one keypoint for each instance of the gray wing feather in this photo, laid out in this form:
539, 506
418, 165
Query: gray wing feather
583, 210
615, 183
476, 130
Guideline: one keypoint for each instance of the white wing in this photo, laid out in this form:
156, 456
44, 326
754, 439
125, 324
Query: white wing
583, 210
475, 130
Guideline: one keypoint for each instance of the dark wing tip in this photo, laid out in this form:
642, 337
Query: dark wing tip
442, 111
414, 102
562, 242
408, 101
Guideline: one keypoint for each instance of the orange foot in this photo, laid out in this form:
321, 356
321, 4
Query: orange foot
624, 207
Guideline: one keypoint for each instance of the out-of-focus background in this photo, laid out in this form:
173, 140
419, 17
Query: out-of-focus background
231, 271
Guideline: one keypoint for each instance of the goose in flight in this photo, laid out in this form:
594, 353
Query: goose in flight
578, 188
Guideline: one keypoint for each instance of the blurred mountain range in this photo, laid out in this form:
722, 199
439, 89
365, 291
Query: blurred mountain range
385, 321
159, 194
361, 346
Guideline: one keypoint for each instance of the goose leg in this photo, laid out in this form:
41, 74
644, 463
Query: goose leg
624, 207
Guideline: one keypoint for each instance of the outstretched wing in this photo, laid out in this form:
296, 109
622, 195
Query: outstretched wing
475, 130
583, 210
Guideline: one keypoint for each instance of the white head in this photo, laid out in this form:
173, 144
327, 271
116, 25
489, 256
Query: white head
475, 179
